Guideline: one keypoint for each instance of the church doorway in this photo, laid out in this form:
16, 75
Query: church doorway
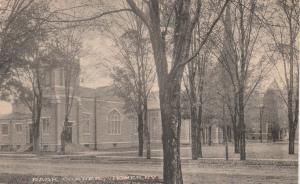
30, 133
69, 132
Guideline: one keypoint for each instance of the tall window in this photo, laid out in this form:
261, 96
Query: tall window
4, 130
46, 125
61, 77
114, 123
19, 127
86, 123
86, 126
47, 78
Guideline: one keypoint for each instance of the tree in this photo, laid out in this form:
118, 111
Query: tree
236, 56
169, 79
134, 76
195, 76
194, 85
25, 57
28, 85
228, 77
284, 34
67, 47
271, 116
18, 27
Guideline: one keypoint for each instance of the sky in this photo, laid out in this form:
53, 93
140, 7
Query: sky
97, 49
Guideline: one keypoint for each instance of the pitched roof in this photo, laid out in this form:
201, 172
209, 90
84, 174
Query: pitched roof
15, 116
107, 93
86, 92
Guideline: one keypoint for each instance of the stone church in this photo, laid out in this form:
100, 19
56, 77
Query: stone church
97, 120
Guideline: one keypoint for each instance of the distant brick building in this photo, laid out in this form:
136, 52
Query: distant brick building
97, 120
274, 115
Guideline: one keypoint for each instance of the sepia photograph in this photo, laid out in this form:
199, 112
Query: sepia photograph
149, 91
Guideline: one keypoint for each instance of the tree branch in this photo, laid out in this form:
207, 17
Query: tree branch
205, 38
138, 12
93, 17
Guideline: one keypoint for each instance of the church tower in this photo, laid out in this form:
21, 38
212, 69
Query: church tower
59, 82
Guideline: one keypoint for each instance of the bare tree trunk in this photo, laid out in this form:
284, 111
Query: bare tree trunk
36, 116
293, 125
226, 142
172, 164
36, 135
199, 146
209, 135
291, 90
146, 128
296, 114
236, 137
292, 135
63, 136
140, 133
194, 131
242, 128
291, 116
171, 120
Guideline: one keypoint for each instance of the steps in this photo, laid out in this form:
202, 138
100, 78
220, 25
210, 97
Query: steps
25, 148
73, 148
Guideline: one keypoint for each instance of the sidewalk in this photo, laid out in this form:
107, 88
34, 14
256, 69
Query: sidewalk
102, 157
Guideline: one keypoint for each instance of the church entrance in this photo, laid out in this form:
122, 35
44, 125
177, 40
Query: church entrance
69, 132
30, 133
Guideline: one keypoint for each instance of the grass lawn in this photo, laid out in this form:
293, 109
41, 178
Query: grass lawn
188, 178
27, 171
253, 150
47, 179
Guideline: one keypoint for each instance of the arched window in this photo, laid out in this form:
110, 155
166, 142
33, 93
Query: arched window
114, 123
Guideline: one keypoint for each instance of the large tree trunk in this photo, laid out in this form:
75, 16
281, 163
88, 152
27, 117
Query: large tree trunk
35, 136
140, 133
36, 118
236, 137
242, 128
236, 134
62, 139
63, 136
171, 124
209, 136
146, 129
290, 87
292, 134
199, 146
194, 130
226, 142
292, 127
291, 142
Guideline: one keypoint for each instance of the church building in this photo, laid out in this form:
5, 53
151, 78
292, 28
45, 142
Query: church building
97, 120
